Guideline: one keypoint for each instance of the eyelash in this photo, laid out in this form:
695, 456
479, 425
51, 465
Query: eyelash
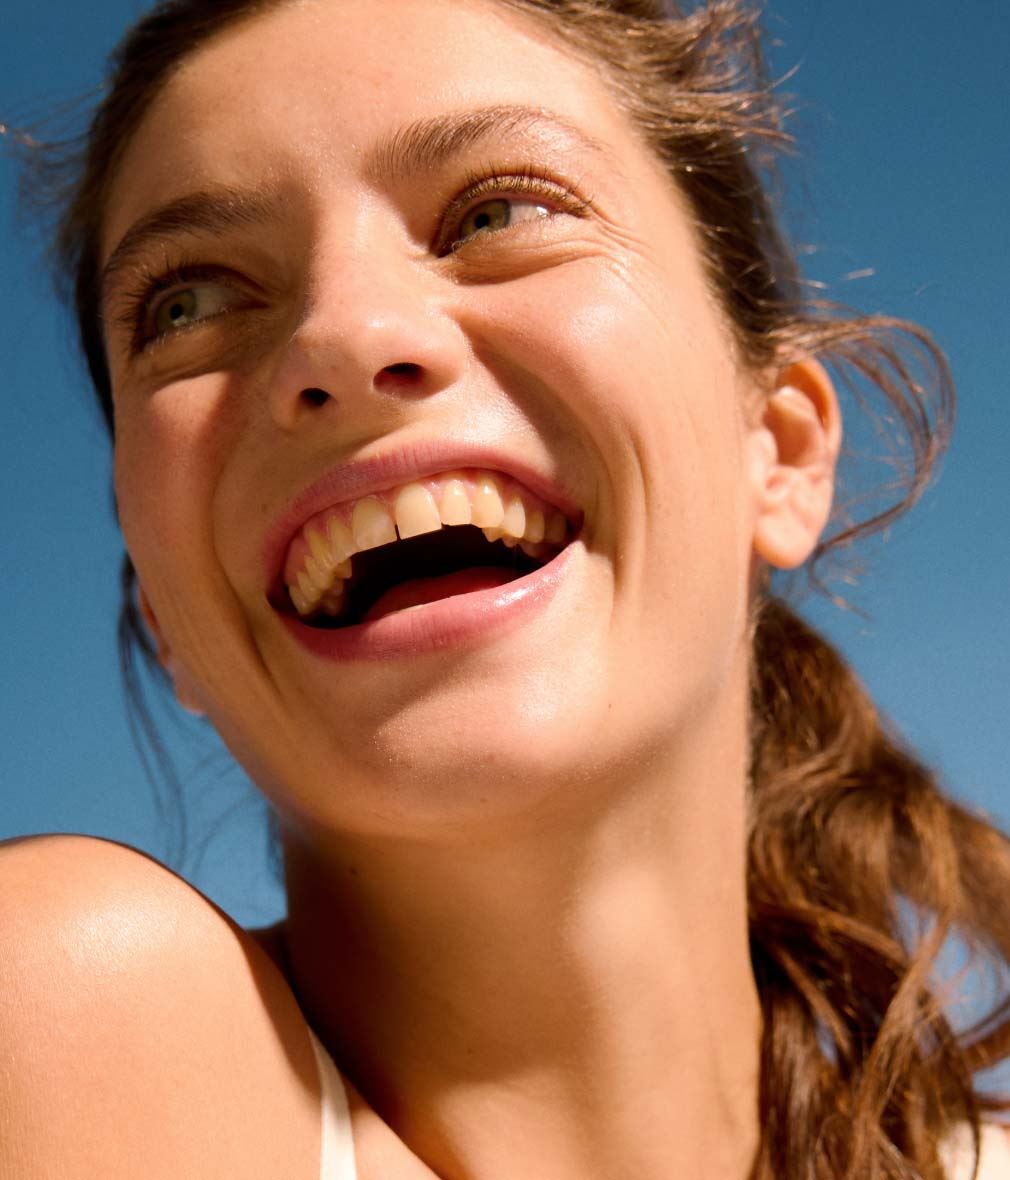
488, 183
478, 187
138, 302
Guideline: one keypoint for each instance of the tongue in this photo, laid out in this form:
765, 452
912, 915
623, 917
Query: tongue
418, 591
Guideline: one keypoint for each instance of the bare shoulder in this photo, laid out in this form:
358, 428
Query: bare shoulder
144, 1032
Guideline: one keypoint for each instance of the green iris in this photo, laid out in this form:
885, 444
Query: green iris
486, 217
176, 312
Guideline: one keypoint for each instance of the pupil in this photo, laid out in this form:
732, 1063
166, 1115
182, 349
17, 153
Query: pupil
491, 215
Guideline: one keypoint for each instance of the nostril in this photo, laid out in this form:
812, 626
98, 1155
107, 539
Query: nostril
404, 373
315, 397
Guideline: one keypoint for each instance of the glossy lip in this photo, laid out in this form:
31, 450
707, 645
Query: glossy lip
449, 622
352, 481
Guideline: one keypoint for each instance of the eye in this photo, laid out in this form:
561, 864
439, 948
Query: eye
185, 306
159, 306
498, 214
499, 201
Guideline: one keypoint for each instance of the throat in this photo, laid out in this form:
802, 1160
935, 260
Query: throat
419, 591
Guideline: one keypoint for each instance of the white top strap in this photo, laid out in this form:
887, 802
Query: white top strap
337, 1153
994, 1154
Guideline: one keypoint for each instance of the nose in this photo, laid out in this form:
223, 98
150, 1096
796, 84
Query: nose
373, 326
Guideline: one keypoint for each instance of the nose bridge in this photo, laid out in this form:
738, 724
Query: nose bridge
371, 321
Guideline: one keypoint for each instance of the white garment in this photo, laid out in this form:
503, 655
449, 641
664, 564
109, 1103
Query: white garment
337, 1154
337, 1162
994, 1154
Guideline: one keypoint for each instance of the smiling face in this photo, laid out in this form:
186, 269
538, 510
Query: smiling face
349, 260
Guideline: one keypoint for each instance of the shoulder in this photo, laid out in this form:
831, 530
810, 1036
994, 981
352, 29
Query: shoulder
139, 1022
99, 909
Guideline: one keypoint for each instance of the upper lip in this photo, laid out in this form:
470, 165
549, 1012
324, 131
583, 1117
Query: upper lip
390, 469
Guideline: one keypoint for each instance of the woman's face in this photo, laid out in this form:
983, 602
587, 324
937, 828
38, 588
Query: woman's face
417, 238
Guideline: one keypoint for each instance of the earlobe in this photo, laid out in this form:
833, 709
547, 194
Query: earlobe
794, 452
185, 690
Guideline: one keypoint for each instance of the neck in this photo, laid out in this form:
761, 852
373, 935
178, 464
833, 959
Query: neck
548, 1002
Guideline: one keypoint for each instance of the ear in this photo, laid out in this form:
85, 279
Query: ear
185, 689
793, 453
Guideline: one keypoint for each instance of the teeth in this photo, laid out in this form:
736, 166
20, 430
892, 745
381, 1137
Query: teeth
514, 521
332, 602
307, 589
371, 525
416, 512
319, 577
322, 553
455, 506
493, 535
534, 526
341, 540
452, 499
302, 605
557, 528
488, 510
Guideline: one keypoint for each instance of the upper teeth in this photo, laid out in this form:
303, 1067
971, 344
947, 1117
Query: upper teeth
319, 561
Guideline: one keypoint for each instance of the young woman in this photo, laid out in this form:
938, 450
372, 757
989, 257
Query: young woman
463, 400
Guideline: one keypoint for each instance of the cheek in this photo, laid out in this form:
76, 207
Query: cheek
645, 368
170, 446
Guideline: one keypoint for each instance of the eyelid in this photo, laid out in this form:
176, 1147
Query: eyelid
515, 183
138, 302
131, 309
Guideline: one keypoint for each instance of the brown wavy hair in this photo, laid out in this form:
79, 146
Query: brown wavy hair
863, 1075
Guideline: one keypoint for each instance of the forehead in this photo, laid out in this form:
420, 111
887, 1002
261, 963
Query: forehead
308, 88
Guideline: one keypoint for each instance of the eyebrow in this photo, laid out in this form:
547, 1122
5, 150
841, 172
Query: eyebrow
426, 144
422, 146
207, 211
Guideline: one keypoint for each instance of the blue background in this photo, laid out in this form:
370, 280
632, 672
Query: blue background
902, 171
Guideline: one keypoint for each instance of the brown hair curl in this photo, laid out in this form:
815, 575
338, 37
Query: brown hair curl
862, 1074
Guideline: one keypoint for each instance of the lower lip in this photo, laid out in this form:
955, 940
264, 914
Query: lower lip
451, 622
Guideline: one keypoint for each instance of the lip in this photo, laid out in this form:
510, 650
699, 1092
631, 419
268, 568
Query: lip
379, 473
450, 622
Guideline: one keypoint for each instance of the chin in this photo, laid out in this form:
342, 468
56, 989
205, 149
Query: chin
474, 762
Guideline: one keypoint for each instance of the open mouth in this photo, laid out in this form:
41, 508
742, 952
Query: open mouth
421, 543
456, 560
